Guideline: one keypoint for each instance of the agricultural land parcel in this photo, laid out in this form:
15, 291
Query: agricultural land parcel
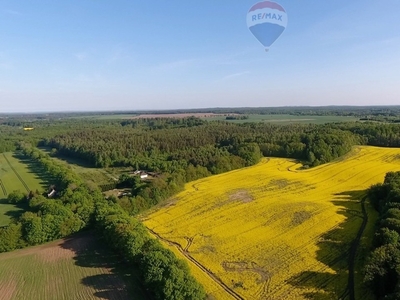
17, 173
278, 119
273, 231
73, 268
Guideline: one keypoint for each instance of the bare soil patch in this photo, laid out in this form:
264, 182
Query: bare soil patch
240, 267
300, 217
235, 196
241, 195
64, 249
7, 289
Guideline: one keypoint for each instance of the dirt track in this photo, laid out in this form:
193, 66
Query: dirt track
200, 266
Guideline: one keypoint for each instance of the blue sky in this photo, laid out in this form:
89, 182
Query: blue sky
114, 55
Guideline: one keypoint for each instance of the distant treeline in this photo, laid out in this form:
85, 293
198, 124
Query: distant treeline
237, 117
357, 111
79, 206
382, 272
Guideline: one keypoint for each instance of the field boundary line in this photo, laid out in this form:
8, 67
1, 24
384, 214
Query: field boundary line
3, 188
353, 250
199, 265
17, 174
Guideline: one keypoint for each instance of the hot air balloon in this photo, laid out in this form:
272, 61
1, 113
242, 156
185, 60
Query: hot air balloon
266, 20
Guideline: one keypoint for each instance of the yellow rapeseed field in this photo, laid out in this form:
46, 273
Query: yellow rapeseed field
272, 231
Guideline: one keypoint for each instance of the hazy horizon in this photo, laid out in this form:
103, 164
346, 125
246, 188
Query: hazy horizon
86, 56
196, 109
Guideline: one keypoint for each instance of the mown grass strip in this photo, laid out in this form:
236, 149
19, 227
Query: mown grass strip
17, 174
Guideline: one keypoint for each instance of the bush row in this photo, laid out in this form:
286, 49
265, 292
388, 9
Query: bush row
382, 271
164, 276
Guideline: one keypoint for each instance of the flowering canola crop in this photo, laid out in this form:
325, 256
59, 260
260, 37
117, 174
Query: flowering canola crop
273, 231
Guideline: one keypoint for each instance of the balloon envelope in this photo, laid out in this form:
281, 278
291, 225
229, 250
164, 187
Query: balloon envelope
266, 20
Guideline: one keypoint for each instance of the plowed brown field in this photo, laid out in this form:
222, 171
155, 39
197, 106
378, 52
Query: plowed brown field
74, 268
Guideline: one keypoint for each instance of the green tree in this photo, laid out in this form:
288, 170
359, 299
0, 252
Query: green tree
11, 237
16, 197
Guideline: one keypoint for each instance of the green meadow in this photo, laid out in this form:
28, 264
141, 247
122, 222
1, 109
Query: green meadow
17, 173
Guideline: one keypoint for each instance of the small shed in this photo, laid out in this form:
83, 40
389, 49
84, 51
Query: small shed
52, 193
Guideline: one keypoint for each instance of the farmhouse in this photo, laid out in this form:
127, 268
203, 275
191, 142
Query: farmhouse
141, 174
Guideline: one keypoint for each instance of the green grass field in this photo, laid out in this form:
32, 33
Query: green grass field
288, 119
74, 268
17, 173
83, 169
8, 211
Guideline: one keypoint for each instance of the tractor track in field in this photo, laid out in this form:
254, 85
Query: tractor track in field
17, 174
189, 243
211, 275
3, 188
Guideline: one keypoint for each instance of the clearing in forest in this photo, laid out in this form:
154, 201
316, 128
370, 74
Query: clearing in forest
17, 173
273, 231
73, 268
88, 173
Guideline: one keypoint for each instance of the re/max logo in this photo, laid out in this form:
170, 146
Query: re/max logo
266, 16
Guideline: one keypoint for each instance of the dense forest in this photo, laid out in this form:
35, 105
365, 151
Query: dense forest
383, 267
179, 151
